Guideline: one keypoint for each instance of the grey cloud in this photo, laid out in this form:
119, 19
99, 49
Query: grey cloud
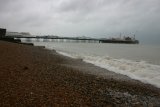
83, 17
81, 5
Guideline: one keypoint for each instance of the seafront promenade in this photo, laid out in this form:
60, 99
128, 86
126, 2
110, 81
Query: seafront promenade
35, 76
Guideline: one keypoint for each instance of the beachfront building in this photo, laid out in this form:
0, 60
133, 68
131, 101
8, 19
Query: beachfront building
2, 32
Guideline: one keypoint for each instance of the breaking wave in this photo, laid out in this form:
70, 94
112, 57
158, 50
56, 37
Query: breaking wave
139, 70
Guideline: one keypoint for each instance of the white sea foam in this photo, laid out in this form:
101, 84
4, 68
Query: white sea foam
123, 61
139, 70
66, 54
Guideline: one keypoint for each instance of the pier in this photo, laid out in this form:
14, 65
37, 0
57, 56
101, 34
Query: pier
79, 39
60, 39
15, 37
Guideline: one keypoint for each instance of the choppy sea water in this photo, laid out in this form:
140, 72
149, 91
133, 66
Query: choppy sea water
140, 62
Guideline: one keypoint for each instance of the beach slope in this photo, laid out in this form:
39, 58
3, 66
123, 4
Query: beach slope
34, 76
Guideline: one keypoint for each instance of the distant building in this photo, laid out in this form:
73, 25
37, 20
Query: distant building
13, 34
25, 33
2, 32
17, 34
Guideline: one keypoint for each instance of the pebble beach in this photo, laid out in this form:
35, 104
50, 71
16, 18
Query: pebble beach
33, 76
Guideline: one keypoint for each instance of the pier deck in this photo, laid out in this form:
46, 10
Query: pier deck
81, 39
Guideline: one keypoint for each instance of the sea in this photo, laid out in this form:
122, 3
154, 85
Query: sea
137, 61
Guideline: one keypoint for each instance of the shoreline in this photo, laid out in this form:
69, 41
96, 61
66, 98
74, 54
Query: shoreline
101, 73
104, 71
42, 77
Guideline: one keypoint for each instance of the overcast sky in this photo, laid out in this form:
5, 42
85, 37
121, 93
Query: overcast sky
93, 18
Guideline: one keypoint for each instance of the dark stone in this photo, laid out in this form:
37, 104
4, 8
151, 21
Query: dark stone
25, 68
